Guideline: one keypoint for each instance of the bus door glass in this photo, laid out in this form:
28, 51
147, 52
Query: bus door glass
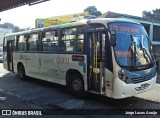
97, 55
10, 45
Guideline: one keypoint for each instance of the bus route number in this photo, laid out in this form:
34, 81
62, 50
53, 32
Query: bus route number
62, 60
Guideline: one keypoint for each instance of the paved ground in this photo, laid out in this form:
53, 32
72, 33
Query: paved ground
151, 95
53, 99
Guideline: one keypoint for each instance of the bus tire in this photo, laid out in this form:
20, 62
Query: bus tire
75, 85
21, 72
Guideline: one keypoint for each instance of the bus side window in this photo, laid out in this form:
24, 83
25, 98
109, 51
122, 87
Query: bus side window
68, 42
21, 43
50, 41
80, 38
73, 39
46, 44
62, 45
27, 42
33, 42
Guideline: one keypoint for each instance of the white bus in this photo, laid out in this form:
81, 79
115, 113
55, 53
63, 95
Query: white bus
110, 57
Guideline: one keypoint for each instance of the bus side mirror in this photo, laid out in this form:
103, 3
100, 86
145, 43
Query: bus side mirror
113, 40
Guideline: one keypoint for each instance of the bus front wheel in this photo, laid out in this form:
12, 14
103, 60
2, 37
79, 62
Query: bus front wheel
75, 85
21, 72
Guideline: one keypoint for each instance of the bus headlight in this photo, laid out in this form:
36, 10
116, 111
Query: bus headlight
123, 77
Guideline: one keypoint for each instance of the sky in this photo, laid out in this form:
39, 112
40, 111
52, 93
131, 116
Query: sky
25, 16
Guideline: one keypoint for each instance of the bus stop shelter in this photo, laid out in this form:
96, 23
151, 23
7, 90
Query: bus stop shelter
10, 4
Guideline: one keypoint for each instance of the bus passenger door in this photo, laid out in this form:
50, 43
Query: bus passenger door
97, 55
10, 45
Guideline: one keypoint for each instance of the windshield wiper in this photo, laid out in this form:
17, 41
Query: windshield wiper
146, 55
133, 44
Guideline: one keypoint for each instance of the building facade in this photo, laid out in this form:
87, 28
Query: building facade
4, 31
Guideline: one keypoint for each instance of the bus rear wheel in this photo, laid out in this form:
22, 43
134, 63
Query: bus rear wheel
75, 85
21, 72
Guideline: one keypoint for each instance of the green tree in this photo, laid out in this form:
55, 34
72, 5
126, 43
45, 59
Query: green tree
11, 26
152, 15
92, 10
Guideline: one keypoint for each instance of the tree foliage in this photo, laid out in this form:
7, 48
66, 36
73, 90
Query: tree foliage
11, 26
152, 15
92, 10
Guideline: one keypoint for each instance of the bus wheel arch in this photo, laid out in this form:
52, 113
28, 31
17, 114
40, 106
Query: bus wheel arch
21, 71
75, 83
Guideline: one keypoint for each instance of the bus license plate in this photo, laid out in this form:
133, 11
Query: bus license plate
142, 87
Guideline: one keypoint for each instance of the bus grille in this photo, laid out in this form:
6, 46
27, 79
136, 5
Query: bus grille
141, 79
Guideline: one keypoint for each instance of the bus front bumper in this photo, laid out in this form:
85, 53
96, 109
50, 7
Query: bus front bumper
123, 90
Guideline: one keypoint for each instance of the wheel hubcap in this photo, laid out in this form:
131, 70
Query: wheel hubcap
77, 85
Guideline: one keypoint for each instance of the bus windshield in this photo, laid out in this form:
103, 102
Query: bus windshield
133, 47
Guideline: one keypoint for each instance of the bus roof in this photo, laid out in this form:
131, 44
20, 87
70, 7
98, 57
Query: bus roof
108, 20
72, 24
24, 32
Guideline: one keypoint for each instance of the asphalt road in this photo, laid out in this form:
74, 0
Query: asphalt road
53, 100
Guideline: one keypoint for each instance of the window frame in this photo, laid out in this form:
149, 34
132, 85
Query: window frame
76, 39
57, 33
38, 47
